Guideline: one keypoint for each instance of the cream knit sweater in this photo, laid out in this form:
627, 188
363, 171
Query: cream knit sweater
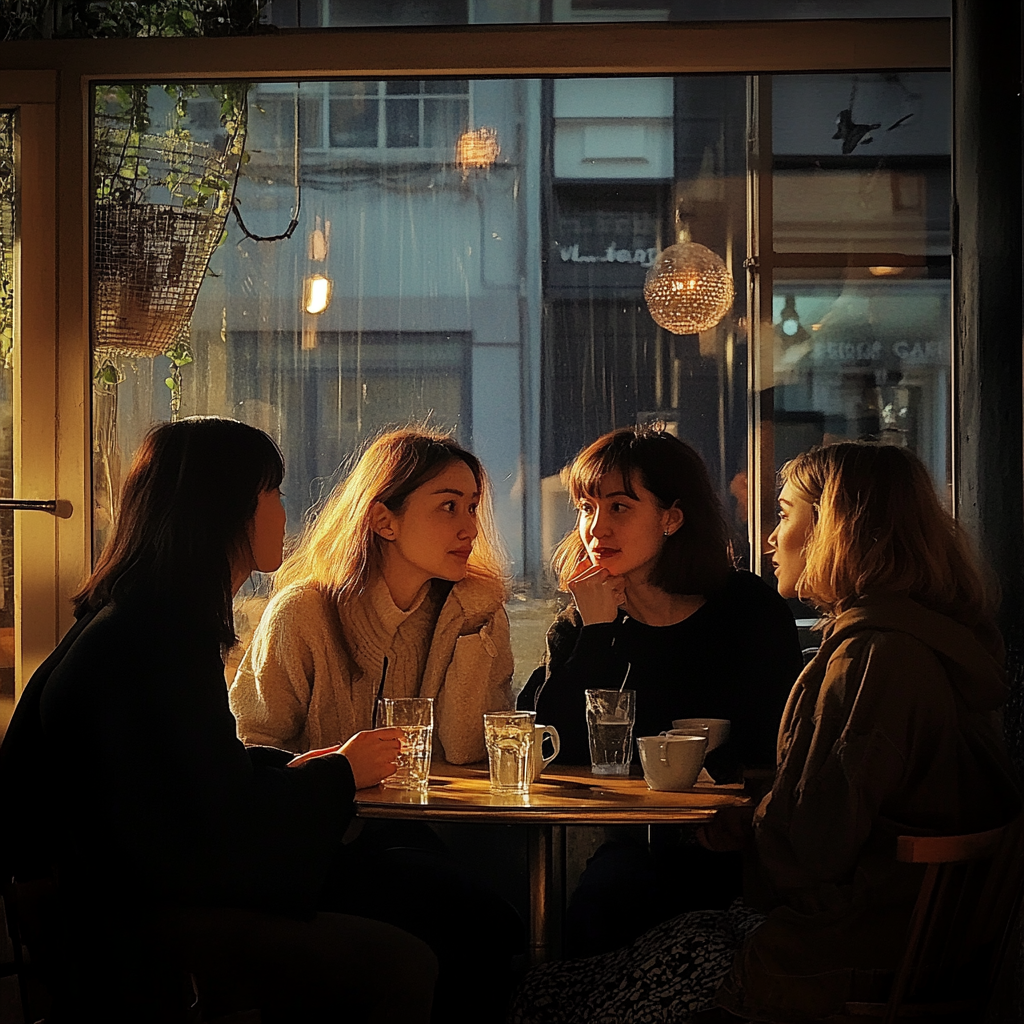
310, 676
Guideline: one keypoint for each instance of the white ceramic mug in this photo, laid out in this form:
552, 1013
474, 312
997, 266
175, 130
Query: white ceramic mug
671, 763
540, 762
718, 729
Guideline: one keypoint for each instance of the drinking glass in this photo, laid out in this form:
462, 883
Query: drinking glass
610, 716
414, 716
509, 738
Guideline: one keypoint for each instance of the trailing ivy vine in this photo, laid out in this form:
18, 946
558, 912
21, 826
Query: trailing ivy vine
181, 355
81, 19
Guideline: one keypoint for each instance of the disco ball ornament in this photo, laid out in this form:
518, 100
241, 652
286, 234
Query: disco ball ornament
688, 289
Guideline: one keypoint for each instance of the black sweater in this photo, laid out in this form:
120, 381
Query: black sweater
736, 657
129, 776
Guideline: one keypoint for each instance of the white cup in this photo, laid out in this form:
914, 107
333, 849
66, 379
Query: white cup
718, 729
540, 762
671, 763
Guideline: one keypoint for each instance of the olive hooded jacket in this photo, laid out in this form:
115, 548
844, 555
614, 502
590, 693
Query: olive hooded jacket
890, 730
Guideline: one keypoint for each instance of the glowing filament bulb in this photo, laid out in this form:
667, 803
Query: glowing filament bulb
317, 293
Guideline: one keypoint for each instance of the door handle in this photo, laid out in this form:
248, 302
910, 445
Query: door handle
56, 506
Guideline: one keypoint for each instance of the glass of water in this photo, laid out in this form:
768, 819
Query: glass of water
509, 738
610, 716
415, 717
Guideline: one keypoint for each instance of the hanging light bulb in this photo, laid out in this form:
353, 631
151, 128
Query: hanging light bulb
688, 288
316, 293
476, 149
789, 318
317, 287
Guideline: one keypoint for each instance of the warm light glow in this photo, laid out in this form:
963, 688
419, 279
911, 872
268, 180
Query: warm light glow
885, 271
688, 289
316, 293
476, 149
318, 245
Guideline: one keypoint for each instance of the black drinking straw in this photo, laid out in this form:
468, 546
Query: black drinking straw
380, 693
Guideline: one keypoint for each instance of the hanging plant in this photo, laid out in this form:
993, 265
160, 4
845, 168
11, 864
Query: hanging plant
125, 19
160, 211
181, 355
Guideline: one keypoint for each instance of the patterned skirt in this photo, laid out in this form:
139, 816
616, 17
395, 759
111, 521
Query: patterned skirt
667, 975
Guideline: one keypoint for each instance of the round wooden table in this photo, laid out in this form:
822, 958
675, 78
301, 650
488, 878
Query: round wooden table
562, 796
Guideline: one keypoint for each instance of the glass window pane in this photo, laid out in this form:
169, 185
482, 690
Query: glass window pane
446, 86
403, 123
403, 87
495, 289
271, 123
862, 356
353, 115
444, 121
398, 12
369, 13
861, 163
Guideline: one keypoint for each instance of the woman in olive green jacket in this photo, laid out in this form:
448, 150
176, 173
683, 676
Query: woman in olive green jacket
890, 730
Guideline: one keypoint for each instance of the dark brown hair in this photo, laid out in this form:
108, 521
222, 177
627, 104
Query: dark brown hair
695, 559
187, 503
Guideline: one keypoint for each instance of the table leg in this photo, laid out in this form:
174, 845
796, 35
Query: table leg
545, 852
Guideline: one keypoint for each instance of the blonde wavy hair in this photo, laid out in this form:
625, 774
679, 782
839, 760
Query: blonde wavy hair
339, 550
879, 528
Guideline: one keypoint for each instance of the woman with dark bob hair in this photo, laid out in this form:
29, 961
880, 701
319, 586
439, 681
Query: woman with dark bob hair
654, 594
174, 847
891, 730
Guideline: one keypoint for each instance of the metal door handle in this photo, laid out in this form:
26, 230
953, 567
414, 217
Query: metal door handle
56, 506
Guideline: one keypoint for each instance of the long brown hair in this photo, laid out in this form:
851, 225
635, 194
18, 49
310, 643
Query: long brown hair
695, 559
880, 528
339, 550
187, 503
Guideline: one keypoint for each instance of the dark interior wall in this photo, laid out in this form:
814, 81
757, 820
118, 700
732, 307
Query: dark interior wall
987, 318
987, 288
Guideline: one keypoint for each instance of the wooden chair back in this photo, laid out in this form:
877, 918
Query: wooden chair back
967, 904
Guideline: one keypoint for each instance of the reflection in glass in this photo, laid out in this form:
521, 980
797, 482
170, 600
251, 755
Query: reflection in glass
861, 163
859, 357
504, 300
415, 13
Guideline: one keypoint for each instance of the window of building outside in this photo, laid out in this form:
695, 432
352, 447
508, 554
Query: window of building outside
494, 287
412, 13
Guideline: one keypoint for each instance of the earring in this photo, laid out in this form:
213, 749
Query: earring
667, 533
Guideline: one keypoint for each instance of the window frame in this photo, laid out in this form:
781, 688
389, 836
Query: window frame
523, 51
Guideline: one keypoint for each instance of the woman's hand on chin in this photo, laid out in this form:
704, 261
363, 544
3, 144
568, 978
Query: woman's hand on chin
373, 755
597, 593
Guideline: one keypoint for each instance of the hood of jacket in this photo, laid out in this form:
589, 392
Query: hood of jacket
973, 657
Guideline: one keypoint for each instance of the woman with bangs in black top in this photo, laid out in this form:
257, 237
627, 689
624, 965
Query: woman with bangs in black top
654, 594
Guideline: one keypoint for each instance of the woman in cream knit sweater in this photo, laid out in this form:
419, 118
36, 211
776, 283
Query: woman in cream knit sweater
399, 564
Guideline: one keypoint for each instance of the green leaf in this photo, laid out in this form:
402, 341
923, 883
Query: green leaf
169, 381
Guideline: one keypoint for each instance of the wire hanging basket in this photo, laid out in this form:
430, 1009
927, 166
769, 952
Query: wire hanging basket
161, 208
